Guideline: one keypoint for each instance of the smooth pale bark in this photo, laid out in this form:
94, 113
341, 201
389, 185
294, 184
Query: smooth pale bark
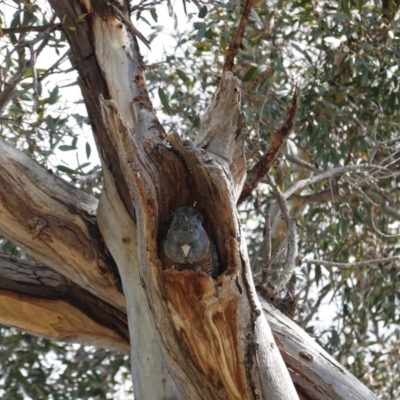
316, 374
224, 136
150, 377
97, 42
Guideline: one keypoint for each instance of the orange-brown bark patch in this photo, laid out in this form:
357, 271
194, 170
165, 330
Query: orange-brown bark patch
207, 325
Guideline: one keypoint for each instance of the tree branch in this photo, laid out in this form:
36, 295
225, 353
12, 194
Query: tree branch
356, 264
55, 223
273, 287
315, 373
302, 163
237, 40
223, 129
9, 89
329, 195
262, 167
26, 29
19, 307
325, 175
67, 312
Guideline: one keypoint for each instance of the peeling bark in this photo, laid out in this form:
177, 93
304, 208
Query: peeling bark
28, 289
55, 224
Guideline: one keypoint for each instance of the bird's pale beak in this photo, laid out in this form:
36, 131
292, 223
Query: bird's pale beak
185, 248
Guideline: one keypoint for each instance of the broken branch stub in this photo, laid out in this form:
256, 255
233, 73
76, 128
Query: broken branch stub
223, 129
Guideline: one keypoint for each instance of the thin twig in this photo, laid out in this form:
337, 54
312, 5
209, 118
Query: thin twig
277, 253
374, 151
281, 200
357, 188
267, 238
357, 264
237, 40
302, 163
34, 78
145, 5
378, 231
51, 69
10, 87
314, 308
262, 167
26, 29
42, 35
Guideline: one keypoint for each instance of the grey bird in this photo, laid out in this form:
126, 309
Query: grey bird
187, 245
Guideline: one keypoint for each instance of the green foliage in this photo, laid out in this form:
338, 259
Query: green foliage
43, 369
37, 118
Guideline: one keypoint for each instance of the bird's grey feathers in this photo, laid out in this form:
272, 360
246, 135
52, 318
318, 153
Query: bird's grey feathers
187, 245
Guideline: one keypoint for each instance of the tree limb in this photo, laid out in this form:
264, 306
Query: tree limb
315, 373
54, 222
26, 29
67, 312
325, 175
24, 295
262, 167
329, 195
237, 40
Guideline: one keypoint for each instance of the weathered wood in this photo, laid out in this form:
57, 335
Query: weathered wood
257, 362
264, 164
223, 130
316, 374
55, 223
29, 289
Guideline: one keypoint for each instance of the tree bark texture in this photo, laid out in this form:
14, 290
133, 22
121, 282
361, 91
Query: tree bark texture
191, 336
